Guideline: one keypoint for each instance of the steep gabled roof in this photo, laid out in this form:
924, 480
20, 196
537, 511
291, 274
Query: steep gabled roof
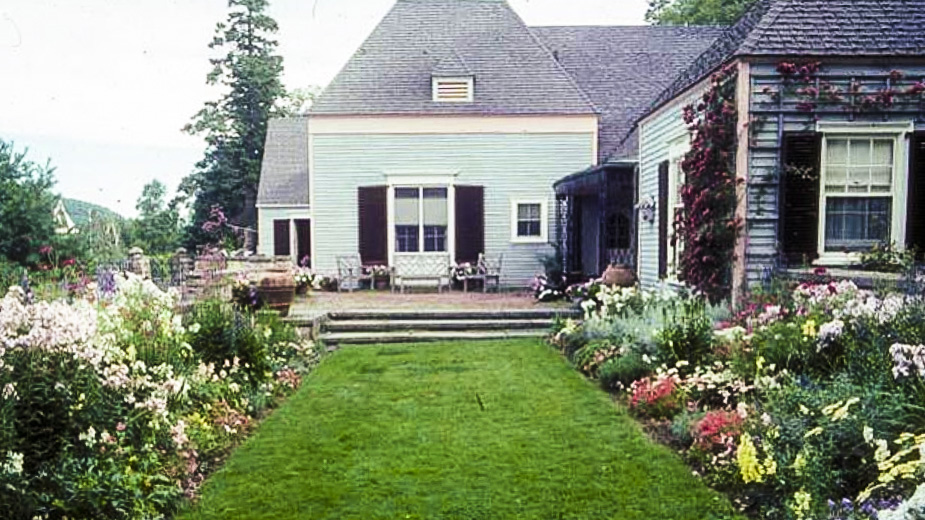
622, 69
284, 172
391, 72
843, 28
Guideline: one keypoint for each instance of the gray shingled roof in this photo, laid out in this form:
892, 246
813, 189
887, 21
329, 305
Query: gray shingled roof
622, 69
851, 28
391, 72
284, 172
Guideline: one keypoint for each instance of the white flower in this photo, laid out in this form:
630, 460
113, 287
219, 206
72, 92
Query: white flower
13, 465
828, 332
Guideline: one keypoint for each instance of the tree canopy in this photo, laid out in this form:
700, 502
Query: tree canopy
696, 12
26, 205
235, 126
157, 228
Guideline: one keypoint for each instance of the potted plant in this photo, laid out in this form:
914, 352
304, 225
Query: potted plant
381, 275
277, 290
304, 280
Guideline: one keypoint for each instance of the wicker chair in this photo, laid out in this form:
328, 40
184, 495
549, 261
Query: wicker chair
350, 272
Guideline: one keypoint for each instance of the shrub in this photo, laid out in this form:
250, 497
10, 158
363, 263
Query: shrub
224, 336
619, 372
688, 336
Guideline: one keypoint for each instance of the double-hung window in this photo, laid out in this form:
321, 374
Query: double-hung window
676, 180
528, 221
421, 219
861, 193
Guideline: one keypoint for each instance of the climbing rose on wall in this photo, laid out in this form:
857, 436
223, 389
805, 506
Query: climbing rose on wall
707, 227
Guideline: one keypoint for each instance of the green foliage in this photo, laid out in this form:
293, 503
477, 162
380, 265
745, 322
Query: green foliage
26, 205
235, 126
224, 335
621, 371
887, 258
688, 336
696, 12
157, 228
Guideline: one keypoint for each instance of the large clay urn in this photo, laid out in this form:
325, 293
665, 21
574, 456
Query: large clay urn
277, 290
619, 275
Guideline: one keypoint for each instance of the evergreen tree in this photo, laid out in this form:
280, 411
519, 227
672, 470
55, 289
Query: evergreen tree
696, 12
26, 206
235, 126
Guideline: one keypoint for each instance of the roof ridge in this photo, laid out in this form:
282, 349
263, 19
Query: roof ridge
767, 20
581, 92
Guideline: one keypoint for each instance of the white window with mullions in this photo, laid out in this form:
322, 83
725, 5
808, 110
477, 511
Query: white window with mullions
676, 179
529, 221
862, 193
421, 219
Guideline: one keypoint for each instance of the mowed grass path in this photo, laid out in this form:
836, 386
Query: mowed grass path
399, 432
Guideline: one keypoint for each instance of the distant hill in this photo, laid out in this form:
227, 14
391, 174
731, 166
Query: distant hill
81, 211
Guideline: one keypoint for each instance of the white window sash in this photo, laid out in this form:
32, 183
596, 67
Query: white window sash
897, 193
543, 238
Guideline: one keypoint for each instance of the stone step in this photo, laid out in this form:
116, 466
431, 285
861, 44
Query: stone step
435, 325
451, 314
415, 336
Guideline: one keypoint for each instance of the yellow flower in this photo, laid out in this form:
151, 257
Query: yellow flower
801, 503
809, 329
812, 433
799, 464
747, 458
770, 465
804, 410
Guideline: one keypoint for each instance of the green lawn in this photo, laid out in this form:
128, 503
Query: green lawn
399, 432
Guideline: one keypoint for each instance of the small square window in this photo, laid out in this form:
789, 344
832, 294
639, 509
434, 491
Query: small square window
528, 222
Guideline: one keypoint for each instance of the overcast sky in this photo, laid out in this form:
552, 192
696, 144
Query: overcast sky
102, 87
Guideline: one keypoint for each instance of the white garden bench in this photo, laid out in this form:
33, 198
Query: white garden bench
421, 270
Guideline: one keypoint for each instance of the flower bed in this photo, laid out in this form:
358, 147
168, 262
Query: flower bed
118, 410
808, 404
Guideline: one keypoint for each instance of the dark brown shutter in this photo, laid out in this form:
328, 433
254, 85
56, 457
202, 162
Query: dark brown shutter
281, 237
373, 232
663, 219
915, 203
470, 223
799, 203
303, 237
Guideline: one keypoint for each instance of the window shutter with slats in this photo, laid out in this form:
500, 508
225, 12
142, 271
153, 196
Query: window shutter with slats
915, 203
470, 223
663, 219
799, 201
281, 237
373, 225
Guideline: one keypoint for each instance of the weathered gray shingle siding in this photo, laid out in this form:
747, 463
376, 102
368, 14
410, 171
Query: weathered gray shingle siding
508, 166
764, 154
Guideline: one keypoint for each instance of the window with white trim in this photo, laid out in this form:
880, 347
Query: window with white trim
676, 179
528, 221
421, 218
861, 192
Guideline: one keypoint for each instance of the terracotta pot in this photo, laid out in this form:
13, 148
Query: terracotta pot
619, 275
382, 284
277, 290
301, 289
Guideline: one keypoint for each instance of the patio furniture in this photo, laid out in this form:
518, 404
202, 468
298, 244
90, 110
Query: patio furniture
350, 272
487, 270
417, 268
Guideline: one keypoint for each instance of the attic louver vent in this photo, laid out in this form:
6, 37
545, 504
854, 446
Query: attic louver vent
453, 89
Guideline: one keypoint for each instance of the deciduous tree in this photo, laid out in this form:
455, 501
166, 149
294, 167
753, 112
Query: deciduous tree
26, 205
696, 12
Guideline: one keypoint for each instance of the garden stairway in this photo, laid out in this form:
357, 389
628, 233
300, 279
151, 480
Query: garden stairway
400, 326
